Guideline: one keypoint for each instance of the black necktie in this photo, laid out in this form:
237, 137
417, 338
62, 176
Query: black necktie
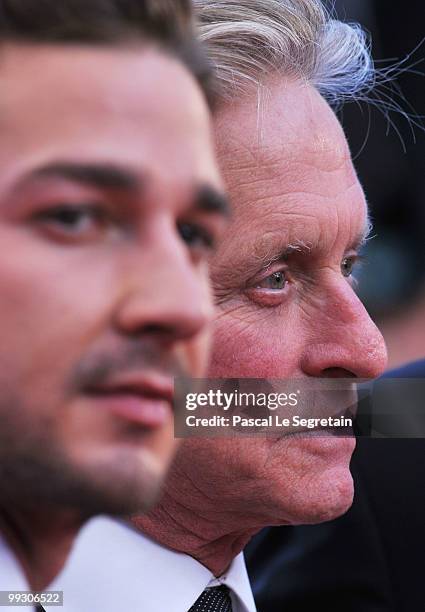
216, 599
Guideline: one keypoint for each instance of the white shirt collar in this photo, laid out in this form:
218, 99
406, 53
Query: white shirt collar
236, 578
113, 567
12, 578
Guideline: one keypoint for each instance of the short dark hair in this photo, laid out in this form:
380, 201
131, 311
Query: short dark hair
166, 23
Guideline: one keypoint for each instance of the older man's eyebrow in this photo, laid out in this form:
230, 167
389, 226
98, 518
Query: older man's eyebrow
100, 175
211, 200
362, 238
267, 257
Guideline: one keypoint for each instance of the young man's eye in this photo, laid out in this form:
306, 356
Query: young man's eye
195, 236
71, 217
73, 221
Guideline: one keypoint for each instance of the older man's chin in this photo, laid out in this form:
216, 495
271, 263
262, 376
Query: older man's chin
330, 496
323, 488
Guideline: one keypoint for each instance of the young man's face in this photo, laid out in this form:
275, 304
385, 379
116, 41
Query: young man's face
109, 201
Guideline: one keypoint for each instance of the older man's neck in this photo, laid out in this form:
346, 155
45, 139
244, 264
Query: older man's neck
40, 540
207, 538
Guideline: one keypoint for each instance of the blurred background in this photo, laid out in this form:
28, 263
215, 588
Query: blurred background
390, 161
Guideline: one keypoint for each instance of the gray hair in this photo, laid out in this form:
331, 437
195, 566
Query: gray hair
249, 39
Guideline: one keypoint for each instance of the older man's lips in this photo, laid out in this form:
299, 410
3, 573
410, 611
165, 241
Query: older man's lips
146, 401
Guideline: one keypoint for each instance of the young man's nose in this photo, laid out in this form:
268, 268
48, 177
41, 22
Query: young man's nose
165, 293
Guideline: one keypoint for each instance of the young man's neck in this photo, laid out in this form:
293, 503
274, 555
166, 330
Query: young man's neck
40, 539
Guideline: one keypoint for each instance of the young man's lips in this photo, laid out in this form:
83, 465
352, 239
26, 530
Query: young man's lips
146, 411
145, 401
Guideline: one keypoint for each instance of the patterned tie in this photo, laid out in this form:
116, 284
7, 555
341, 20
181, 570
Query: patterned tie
215, 599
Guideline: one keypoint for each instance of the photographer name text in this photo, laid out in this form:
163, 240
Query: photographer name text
272, 420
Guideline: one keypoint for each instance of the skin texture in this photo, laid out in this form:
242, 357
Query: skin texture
104, 274
292, 184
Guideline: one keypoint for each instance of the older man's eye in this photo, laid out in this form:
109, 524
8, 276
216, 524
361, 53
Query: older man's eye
347, 265
275, 281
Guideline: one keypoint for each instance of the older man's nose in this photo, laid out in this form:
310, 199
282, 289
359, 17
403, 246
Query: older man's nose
344, 340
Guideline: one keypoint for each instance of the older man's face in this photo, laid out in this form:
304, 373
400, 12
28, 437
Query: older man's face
108, 208
286, 302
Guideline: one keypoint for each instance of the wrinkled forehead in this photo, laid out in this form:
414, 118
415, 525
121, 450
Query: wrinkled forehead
287, 165
283, 124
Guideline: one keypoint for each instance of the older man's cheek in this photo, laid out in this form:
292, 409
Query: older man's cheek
239, 350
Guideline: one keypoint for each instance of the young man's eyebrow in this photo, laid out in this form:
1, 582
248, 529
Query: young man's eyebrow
210, 200
100, 175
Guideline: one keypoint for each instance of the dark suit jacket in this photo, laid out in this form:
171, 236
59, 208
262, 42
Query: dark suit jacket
370, 560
